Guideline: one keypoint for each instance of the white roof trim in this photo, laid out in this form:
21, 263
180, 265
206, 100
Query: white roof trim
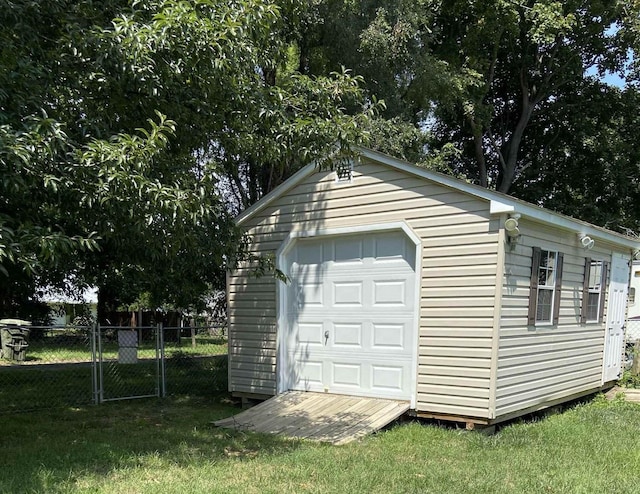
497, 207
499, 203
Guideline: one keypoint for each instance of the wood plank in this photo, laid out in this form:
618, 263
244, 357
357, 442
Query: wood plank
344, 410
323, 417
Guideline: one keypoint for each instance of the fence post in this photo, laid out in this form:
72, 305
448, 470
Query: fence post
100, 397
94, 363
192, 323
162, 375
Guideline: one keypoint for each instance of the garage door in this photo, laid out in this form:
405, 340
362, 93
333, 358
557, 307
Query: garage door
351, 315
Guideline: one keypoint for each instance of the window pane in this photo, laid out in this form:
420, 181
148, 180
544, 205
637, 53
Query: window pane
549, 259
546, 273
543, 312
593, 304
551, 276
542, 277
544, 258
595, 275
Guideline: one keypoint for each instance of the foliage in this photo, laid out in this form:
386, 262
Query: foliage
629, 380
487, 78
583, 156
125, 126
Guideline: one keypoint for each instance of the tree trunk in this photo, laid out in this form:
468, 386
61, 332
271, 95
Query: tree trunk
508, 170
107, 305
479, 152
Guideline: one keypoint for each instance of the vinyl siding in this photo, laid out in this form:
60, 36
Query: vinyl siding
545, 363
459, 256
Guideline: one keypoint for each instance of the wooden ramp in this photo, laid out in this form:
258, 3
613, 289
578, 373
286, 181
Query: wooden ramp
336, 419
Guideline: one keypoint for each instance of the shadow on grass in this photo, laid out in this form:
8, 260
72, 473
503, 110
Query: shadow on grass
52, 451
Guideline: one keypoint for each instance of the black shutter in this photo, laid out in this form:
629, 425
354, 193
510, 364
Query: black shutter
533, 290
585, 289
558, 290
603, 289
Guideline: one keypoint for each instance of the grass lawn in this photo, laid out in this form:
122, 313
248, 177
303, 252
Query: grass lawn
78, 349
166, 446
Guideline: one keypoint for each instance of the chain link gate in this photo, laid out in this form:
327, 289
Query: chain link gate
78, 365
128, 363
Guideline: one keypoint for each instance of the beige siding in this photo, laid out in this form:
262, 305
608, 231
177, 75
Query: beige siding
459, 258
538, 364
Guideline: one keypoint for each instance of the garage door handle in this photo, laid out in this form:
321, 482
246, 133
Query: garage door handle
326, 336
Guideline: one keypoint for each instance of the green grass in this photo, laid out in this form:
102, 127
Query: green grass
77, 349
155, 446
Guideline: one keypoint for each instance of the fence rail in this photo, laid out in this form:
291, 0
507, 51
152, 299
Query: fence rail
79, 365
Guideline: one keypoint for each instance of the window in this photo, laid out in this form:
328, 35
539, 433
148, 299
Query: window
595, 274
546, 284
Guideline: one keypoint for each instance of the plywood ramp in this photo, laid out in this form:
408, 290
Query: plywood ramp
336, 419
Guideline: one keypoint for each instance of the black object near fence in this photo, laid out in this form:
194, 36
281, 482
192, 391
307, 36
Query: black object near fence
45, 367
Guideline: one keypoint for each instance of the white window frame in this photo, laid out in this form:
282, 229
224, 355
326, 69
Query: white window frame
546, 286
595, 288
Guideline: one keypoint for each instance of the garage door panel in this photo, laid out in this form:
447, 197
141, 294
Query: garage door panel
387, 377
347, 335
347, 293
311, 334
310, 295
309, 374
353, 320
348, 250
390, 292
309, 253
389, 336
346, 374
390, 248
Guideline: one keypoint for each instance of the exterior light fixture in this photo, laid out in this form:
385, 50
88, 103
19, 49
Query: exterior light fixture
511, 226
586, 242
512, 230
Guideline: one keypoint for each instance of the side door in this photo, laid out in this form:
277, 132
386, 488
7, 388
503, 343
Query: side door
616, 313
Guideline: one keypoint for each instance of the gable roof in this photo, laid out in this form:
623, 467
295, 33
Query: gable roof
499, 202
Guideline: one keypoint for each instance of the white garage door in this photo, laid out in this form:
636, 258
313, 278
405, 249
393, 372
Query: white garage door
350, 315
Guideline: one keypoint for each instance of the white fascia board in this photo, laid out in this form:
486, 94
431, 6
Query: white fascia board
277, 192
498, 207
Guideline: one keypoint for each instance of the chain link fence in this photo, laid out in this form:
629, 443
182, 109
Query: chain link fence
46, 367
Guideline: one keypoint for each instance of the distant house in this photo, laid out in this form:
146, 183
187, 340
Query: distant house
412, 285
66, 310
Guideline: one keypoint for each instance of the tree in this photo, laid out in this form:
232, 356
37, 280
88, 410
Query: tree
476, 74
117, 122
585, 154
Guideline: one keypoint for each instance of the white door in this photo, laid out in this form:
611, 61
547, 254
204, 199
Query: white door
616, 310
351, 315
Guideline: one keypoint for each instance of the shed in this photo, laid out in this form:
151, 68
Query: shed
412, 285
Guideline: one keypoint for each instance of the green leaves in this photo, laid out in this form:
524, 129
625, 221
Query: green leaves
549, 22
124, 127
